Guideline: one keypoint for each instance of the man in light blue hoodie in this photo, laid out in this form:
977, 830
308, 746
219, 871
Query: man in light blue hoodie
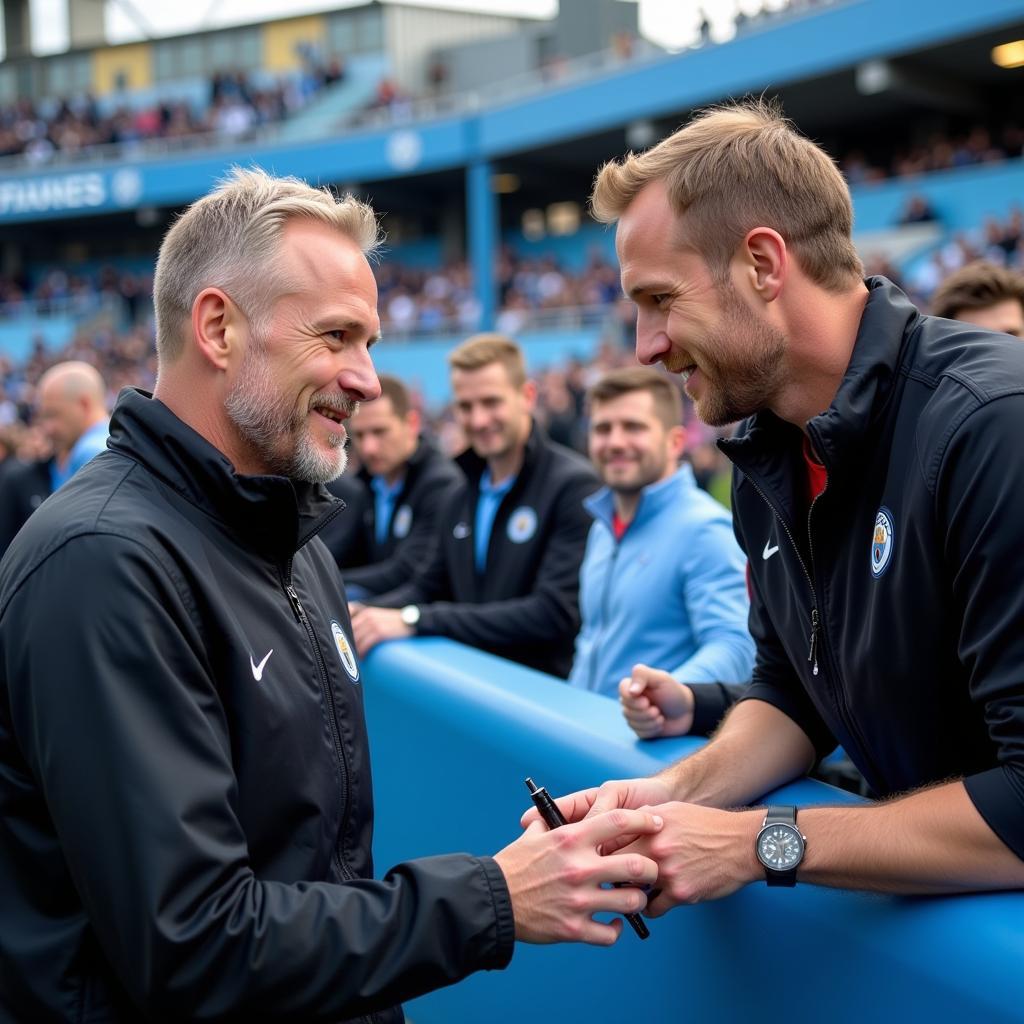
663, 580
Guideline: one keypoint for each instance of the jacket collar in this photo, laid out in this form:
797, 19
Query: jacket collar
276, 515
843, 430
654, 498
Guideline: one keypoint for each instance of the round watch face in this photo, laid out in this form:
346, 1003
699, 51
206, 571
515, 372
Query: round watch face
780, 847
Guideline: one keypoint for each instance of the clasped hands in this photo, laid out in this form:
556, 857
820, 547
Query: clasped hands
701, 853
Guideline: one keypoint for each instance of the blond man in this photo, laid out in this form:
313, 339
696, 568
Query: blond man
877, 507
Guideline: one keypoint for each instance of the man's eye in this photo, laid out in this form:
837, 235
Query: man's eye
338, 335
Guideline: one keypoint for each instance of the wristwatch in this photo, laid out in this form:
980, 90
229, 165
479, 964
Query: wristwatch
411, 615
780, 846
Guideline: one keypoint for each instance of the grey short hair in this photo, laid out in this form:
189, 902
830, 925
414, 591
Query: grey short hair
228, 239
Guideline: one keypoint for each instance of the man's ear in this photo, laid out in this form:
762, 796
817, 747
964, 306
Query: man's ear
217, 327
677, 441
530, 394
765, 262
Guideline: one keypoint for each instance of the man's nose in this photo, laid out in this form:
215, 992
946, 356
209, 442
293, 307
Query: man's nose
652, 343
357, 376
478, 418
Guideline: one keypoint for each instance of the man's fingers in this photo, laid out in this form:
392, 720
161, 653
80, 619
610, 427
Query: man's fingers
642, 717
608, 797
629, 868
574, 807
637, 704
648, 728
601, 828
658, 903
640, 679
597, 933
626, 899
365, 637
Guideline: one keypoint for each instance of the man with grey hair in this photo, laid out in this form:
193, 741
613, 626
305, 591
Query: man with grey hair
185, 796
71, 408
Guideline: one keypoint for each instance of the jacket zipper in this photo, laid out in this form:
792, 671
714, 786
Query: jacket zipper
325, 689
812, 654
815, 621
604, 612
815, 617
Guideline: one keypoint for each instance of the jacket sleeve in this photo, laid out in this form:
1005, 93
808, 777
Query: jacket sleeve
430, 583
118, 716
711, 701
979, 495
715, 595
550, 611
413, 552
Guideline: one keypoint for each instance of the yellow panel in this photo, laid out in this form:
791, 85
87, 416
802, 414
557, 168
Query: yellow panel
130, 66
282, 39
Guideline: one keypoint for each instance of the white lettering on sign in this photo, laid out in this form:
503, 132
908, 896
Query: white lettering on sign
60, 192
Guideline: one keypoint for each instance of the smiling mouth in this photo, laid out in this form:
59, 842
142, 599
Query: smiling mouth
334, 413
685, 372
331, 414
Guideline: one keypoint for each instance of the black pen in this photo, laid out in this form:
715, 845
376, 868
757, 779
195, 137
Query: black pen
554, 818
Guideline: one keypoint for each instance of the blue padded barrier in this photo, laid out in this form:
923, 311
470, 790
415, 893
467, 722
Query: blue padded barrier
454, 732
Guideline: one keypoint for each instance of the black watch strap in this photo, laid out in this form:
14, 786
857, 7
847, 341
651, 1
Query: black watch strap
779, 815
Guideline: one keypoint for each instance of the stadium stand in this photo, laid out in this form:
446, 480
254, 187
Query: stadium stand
482, 183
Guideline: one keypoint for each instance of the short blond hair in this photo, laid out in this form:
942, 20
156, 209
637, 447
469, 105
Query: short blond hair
740, 166
229, 238
483, 349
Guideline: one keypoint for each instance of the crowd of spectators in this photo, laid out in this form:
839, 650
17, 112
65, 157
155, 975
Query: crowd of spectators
235, 106
942, 151
413, 302
423, 301
532, 291
998, 241
124, 294
127, 357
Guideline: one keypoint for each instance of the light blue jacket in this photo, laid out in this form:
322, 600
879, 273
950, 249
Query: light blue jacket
87, 447
671, 594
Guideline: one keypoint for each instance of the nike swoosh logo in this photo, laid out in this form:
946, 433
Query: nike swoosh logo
257, 670
768, 549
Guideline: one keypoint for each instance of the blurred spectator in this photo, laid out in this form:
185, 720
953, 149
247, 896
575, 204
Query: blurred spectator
73, 415
25, 484
985, 294
917, 211
505, 577
407, 482
662, 580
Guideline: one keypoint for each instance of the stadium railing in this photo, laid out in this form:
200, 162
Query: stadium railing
454, 732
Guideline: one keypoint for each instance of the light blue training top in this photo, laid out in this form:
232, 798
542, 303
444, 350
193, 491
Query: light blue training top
384, 498
486, 509
89, 445
671, 593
